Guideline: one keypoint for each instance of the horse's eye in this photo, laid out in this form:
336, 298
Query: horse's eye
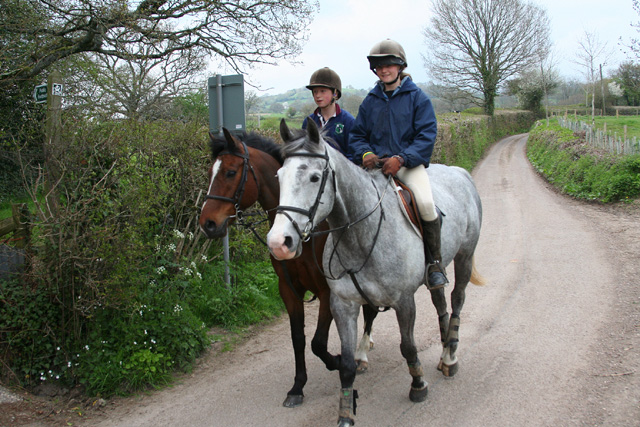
315, 178
231, 173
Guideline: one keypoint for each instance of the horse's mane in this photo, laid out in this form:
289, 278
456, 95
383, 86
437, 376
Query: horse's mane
254, 140
301, 142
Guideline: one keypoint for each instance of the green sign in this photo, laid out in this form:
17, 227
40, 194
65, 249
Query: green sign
40, 94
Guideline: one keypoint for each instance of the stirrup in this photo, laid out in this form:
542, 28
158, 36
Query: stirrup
436, 279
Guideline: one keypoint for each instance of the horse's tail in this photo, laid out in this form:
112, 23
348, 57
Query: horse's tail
476, 278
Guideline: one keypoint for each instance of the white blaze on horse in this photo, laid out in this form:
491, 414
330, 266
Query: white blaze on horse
373, 254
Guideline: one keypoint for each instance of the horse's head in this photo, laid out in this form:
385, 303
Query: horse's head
307, 190
232, 184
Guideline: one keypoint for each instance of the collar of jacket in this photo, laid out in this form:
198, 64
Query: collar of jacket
317, 112
406, 85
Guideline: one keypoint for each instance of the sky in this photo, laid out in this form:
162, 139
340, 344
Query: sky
343, 32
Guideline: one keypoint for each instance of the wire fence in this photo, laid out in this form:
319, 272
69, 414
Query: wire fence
600, 138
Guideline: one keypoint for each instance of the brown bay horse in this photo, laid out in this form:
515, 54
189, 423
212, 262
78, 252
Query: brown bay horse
243, 173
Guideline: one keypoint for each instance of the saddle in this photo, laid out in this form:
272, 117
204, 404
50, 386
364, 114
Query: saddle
406, 197
408, 203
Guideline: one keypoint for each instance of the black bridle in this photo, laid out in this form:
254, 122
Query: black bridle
237, 197
308, 232
310, 213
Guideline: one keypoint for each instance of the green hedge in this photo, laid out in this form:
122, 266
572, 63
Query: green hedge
566, 161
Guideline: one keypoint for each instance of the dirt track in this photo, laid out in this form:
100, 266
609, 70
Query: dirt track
552, 339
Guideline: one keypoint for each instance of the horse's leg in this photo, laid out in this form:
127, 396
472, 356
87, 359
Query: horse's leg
449, 361
295, 309
345, 314
366, 342
440, 303
406, 314
321, 336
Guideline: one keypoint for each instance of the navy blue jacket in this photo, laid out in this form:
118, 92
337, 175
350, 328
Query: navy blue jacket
337, 128
404, 124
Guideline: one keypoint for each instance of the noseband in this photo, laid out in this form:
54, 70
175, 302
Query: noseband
305, 234
243, 180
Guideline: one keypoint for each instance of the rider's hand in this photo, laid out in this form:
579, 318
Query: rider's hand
370, 161
392, 165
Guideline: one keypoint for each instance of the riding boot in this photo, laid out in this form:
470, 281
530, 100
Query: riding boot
435, 277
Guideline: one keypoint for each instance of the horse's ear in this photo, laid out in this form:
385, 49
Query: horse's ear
313, 132
285, 133
231, 142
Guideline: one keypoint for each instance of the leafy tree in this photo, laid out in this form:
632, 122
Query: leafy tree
251, 101
628, 78
531, 87
475, 45
193, 107
35, 34
276, 107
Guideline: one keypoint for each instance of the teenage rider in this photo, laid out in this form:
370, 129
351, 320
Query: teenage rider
396, 127
326, 87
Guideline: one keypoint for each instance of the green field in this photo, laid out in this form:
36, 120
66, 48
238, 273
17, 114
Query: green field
615, 125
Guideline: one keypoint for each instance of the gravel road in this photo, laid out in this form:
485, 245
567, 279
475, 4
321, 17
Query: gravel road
552, 339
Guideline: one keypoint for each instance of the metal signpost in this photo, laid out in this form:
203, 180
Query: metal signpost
226, 109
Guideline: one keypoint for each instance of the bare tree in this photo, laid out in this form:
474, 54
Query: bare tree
593, 53
475, 45
34, 34
136, 88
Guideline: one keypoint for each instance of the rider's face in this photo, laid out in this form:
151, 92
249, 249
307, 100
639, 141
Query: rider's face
322, 96
388, 73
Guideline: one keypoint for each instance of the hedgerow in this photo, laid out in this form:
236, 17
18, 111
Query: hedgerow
569, 163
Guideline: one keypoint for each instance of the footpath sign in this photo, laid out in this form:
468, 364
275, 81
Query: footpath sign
40, 92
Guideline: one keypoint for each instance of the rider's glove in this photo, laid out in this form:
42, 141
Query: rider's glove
369, 160
392, 165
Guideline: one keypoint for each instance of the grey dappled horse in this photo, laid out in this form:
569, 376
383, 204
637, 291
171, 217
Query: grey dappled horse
374, 247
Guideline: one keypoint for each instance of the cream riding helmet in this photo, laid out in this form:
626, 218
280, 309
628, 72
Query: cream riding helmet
326, 77
387, 52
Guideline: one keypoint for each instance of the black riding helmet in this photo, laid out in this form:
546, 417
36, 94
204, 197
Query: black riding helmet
326, 77
387, 52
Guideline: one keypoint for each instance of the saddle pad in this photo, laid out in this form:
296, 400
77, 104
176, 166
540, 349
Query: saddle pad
408, 205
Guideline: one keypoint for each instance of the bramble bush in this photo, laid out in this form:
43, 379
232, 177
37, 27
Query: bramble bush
121, 286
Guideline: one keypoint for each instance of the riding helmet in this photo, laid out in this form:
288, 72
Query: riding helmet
387, 52
326, 77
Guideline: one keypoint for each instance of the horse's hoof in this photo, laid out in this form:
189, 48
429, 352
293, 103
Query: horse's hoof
293, 400
447, 370
345, 422
362, 367
419, 395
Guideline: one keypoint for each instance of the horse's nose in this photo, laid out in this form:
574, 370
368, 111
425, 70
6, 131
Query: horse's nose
211, 229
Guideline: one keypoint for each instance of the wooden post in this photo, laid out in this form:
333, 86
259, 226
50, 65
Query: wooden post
52, 146
21, 235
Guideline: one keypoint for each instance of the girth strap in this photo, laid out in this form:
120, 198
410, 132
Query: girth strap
363, 295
